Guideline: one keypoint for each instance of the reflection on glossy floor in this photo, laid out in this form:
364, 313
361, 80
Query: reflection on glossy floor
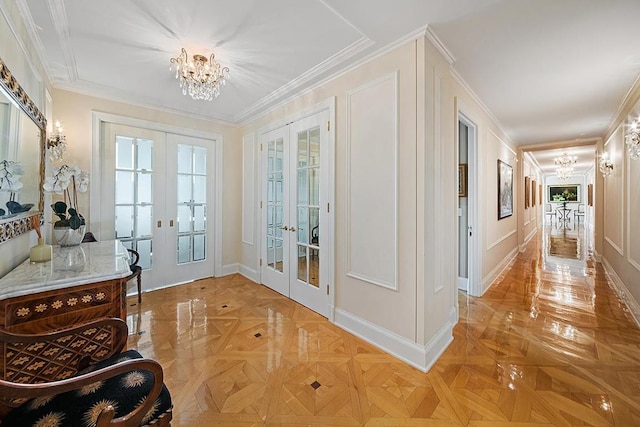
550, 344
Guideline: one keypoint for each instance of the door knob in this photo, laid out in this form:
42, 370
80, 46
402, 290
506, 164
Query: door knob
285, 228
293, 229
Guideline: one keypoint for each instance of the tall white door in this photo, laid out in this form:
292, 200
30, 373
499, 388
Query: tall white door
295, 211
156, 195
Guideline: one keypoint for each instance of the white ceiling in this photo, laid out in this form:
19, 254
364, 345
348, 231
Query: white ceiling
548, 70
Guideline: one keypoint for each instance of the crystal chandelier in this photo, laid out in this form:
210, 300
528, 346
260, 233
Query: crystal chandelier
565, 165
56, 143
633, 140
199, 77
605, 165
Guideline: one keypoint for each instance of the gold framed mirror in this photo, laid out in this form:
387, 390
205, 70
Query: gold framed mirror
22, 151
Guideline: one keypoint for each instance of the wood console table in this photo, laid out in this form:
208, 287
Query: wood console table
80, 283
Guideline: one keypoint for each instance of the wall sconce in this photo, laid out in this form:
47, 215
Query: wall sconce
633, 140
56, 143
605, 164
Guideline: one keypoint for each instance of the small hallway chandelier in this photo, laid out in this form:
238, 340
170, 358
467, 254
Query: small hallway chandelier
565, 165
199, 77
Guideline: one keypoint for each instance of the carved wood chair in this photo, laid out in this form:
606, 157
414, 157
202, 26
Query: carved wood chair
136, 271
78, 377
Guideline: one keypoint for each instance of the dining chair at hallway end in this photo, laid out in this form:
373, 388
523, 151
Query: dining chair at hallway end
549, 211
578, 213
136, 271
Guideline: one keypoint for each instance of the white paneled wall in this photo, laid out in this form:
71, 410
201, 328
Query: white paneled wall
372, 182
248, 189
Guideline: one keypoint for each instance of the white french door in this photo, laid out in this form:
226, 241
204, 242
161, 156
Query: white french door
295, 211
156, 196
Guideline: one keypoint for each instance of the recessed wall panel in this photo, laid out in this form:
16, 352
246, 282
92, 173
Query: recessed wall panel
248, 190
613, 193
372, 174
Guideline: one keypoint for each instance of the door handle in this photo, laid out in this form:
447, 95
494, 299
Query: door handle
159, 224
285, 228
171, 223
293, 229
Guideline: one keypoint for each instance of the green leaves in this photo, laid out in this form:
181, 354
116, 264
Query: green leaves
68, 218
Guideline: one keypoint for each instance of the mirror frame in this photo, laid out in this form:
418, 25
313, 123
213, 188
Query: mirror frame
15, 226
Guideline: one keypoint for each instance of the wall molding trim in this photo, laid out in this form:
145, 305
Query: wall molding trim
386, 282
622, 291
418, 356
502, 239
249, 273
230, 269
527, 239
614, 246
497, 270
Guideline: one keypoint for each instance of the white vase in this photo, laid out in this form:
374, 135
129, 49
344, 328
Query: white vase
67, 236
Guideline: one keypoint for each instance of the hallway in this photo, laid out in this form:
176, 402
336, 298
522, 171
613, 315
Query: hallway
549, 344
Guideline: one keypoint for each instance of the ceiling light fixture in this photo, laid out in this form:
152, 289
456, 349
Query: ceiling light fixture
565, 165
605, 164
633, 140
199, 77
56, 143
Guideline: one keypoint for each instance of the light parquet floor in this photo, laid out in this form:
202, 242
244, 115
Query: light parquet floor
549, 344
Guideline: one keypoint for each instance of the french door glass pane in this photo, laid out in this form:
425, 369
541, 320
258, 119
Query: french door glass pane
124, 187
275, 203
144, 248
134, 195
192, 203
307, 203
124, 222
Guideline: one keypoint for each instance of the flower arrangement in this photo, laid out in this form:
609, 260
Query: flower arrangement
10, 174
67, 180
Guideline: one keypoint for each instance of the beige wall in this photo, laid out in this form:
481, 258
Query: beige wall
619, 206
28, 70
75, 113
498, 239
422, 310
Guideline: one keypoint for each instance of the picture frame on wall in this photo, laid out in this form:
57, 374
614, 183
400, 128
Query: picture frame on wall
590, 194
533, 192
540, 194
505, 190
462, 180
527, 197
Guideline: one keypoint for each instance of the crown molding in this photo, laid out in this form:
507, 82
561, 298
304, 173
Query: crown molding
582, 142
370, 57
59, 17
313, 73
32, 30
107, 93
458, 78
437, 43
632, 96
21, 42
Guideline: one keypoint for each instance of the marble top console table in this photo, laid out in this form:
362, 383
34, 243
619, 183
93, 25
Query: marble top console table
80, 283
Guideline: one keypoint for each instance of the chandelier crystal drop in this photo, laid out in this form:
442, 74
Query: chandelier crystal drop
565, 165
633, 140
199, 77
56, 143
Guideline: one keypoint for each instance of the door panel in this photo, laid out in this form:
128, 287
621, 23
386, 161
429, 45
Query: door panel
275, 231
161, 186
295, 188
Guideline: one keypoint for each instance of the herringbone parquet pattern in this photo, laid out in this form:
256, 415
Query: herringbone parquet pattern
550, 344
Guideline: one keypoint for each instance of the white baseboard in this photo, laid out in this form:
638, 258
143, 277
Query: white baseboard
249, 273
622, 290
523, 246
463, 284
230, 269
497, 270
420, 357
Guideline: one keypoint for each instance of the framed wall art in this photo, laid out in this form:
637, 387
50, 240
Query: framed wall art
527, 196
533, 192
505, 190
462, 180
